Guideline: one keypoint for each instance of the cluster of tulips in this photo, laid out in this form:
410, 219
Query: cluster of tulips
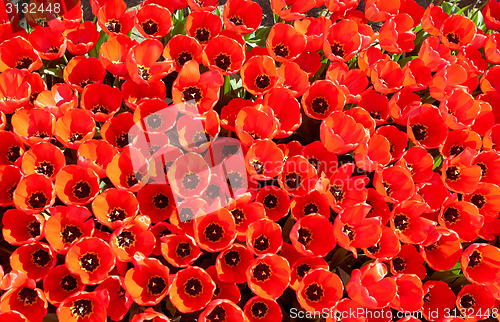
215, 169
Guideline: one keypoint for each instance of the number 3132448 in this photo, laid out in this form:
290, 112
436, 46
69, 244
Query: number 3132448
471, 313
33, 7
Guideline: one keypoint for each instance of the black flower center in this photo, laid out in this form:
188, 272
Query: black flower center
475, 259
376, 115
479, 200
310, 208
86, 82
270, 201
193, 287
320, 105
125, 239
303, 269
484, 168
305, 236
453, 173
262, 81
236, 20
258, 166
419, 131
223, 61
117, 214
27, 295
234, 180
40, 134
70, 233
121, 140
293, 180
432, 247
150, 27
451, 215
81, 190
34, 229
232, 258
144, 72
184, 57
24, 62
52, 50
183, 250
40, 257
281, 50
89, 262
75, 137
456, 149
453, 37
228, 150
214, 232
46, 168
154, 121
338, 49
387, 187
262, 272
218, 314
374, 249
401, 222
82, 308
131, 180
337, 192
42, 22
13, 153
161, 201
192, 93
261, 243
212, 192
164, 232
467, 301
68, 283
37, 200
399, 264
156, 285
99, 109
114, 26
349, 231
202, 34
314, 292
238, 215
259, 309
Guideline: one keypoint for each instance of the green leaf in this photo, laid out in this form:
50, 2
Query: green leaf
227, 84
235, 81
95, 51
462, 10
55, 72
102, 186
287, 227
404, 61
419, 39
478, 19
339, 256
170, 307
343, 275
450, 8
179, 27
437, 162
259, 36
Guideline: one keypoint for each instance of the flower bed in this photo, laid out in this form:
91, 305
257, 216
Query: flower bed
215, 169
